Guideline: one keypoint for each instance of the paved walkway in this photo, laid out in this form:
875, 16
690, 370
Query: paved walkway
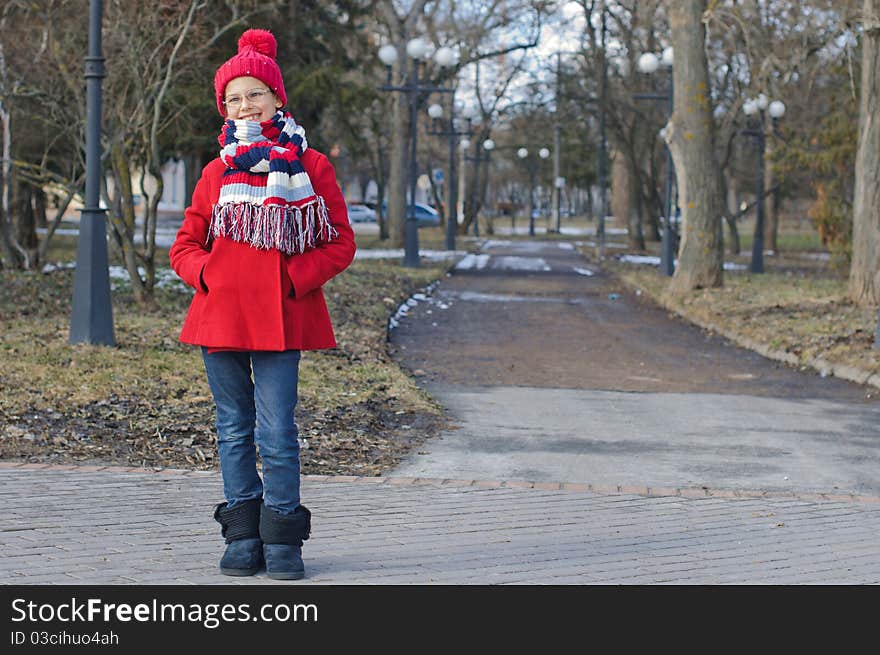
787, 495
121, 526
552, 370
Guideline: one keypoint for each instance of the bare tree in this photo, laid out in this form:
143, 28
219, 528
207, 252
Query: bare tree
770, 47
476, 28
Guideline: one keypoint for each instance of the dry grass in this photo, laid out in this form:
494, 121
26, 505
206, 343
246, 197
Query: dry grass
146, 402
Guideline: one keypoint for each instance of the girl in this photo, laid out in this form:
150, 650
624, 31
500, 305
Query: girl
266, 229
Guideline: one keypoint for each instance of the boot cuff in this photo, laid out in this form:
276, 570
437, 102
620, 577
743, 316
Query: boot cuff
240, 522
278, 528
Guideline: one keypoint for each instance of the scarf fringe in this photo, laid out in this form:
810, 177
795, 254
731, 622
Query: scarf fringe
292, 229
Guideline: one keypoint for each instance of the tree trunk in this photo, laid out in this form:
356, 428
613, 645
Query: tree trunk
732, 204
398, 175
151, 217
381, 215
25, 225
771, 227
40, 208
691, 138
864, 273
59, 216
123, 223
11, 257
482, 197
635, 233
619, 189
467, 202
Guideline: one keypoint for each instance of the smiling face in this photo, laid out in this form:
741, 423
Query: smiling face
243, 100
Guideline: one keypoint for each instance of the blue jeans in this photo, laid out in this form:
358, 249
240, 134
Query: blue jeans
257, 411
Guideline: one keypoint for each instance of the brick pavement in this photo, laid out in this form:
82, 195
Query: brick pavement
104, 525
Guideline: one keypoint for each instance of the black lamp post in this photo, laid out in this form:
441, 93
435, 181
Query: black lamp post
532, 164
488, 145
754, 110
649, 63
415, 49
91, 319
436, 113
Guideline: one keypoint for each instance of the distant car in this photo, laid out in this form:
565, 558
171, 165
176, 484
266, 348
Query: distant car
426, 216
361, 214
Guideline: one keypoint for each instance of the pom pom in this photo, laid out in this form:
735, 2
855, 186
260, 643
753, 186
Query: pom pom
260, 40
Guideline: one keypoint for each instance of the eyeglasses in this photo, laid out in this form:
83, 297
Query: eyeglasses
254, 96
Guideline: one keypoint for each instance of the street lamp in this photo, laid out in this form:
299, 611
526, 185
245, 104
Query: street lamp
416, 49
649, 63
435, 111
754, 110
488, 145
91, 319
532, 164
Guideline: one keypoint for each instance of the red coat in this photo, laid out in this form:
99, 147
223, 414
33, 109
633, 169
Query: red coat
259, 299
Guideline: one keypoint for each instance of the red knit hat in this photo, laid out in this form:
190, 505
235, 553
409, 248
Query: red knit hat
255, 58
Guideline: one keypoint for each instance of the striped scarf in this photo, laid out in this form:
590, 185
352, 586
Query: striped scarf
266, 197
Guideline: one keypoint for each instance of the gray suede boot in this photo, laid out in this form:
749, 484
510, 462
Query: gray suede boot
283, 535
241, 528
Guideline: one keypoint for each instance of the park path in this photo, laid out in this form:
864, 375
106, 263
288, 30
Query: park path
552, 371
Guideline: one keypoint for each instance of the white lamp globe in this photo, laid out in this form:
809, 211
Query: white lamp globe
416, 48
750, 107
668, 56
777, 109
388, 54
522, 153
543, 153
488, 144
464, 144
762, 101
445, 56
435, 111
663, 133
648, 63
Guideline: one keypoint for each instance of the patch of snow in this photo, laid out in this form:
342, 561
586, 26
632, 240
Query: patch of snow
512, 263
423, 295
471, 260
495, 243
640, 259
165, 278
474, 296
583, 271
57, 266
655, 261
397, 253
